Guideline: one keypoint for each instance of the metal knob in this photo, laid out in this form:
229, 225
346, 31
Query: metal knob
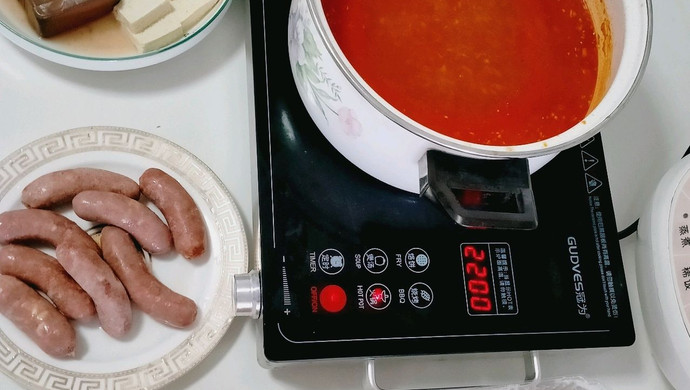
247, 294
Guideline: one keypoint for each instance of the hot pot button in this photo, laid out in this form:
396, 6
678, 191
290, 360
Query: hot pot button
420, 295
378, 296
332, 298
417, 260
375, 260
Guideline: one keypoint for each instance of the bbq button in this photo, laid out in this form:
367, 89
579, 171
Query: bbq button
420, 295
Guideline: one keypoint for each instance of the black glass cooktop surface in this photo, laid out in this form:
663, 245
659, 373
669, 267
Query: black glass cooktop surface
352, 267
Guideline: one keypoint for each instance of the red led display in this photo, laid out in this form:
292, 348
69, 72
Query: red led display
478, 279
488, 278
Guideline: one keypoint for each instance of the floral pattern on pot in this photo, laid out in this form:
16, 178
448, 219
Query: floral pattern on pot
308, 70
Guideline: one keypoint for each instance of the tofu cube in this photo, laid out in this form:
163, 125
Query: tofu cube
161, 33
190, 12
137, 15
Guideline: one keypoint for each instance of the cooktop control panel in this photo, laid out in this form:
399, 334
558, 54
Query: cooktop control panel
351, 267
337, 283
406, 280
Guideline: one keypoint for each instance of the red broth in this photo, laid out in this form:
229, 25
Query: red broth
493, 72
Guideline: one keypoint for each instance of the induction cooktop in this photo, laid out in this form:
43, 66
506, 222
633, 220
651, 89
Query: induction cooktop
352, 267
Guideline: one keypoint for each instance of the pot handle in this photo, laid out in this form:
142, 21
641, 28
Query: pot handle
480, 193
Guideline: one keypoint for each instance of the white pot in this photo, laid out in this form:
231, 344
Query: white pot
389, 146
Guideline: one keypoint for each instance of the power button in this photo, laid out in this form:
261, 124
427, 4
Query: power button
333, 298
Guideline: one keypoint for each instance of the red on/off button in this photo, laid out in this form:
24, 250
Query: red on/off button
333, 298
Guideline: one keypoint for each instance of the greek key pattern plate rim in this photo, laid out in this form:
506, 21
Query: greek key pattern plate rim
30, 371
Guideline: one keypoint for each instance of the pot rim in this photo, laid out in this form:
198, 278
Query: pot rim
566, 139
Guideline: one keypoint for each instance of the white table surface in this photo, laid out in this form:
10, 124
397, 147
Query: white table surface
202, 100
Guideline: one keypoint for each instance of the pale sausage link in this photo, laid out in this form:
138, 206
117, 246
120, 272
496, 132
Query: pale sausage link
36, 317
126, 213
59, 187
179, 209
145, 290
41, 225
98, 280
47, 275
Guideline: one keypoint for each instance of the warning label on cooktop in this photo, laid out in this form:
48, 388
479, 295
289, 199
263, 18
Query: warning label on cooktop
601, 242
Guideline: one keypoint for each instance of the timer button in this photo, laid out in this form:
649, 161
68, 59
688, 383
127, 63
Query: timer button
417, 260
331, 261
333, 298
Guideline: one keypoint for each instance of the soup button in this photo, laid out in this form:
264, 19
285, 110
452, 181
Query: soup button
375, 260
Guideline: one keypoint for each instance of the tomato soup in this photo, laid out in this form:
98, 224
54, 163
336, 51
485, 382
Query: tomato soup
492, 72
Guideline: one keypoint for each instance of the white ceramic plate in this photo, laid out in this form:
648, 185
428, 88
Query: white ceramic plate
18, 31
153, 354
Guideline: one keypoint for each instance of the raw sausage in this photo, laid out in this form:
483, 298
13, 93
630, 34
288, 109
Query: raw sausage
36, 317
126, 213
59, 187
42, 271
182, 214
87, 268
144, 289
41, 225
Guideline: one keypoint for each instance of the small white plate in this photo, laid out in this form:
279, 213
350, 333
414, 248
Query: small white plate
15, 27
152, 354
